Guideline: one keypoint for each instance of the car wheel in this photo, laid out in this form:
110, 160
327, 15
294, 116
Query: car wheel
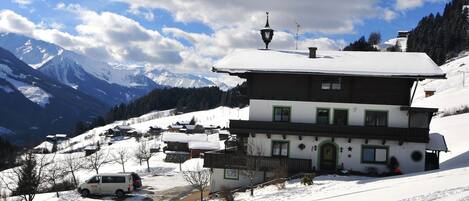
85, 192
120, 193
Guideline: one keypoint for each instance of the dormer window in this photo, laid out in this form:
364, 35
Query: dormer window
332, 83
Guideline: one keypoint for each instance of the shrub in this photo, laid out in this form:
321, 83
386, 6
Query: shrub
226, 194
307, 179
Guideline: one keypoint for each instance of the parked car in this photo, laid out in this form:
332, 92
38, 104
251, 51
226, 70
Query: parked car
117, 184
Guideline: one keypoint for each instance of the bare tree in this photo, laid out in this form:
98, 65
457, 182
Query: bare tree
72, 165
96, 160
198, 177
254, 153
55, 174
25, 181
143, 153
121, 156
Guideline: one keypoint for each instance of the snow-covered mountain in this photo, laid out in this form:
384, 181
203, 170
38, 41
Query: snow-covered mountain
184, 80
33, 52
110, 84
34, 105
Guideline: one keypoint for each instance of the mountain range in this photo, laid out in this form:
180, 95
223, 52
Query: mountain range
34, 105
111, 84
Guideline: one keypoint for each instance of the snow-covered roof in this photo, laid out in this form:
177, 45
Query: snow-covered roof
61, 135
195, 164
351, 63
182, 137
437, 142
50, 136
213, 145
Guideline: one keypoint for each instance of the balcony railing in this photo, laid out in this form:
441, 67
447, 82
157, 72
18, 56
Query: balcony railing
241, 127
239, 160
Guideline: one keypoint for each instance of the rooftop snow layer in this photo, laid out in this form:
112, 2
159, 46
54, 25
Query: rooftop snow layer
353, 63
182, 137
214, 145
437, 142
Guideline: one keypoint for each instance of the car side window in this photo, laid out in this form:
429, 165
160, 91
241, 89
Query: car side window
94, 180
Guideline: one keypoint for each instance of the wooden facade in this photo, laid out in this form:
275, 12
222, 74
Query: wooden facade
244, 128
235, 159
302, 87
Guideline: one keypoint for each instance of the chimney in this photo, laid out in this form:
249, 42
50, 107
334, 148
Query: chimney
312, 52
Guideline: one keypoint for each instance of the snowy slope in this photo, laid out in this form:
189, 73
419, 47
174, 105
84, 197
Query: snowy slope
218, 117
33, 52
450, 93
34, 105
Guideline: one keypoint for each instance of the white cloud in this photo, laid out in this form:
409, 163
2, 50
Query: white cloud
22, 2
332, 16
147, 14
403, 5
389, 15
408, 4
12, 22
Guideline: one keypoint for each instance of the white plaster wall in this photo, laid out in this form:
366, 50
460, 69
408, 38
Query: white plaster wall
401, 152
218, 182
305, 112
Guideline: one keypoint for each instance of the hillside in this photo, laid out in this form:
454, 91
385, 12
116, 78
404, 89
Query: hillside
442, 36
33, 105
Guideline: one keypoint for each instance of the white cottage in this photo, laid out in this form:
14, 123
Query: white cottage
326, 111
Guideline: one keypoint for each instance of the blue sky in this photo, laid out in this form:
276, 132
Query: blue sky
191, 35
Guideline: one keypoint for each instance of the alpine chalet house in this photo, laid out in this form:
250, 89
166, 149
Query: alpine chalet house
324, 111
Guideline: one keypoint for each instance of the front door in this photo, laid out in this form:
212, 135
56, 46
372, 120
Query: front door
328, 157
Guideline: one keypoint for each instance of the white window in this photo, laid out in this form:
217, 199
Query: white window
231, 174
374, 154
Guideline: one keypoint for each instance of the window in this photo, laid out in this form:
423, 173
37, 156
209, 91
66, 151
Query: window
376, 118
280, 148
93, 180
282, 114
340, 117
333, 83
322, 116
231, 174
374, 154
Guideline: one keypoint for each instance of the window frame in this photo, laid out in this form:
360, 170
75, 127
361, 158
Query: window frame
280, 142
283, 107
330, 81
328, 115
383, 111
340, 109
230, 178
374, 147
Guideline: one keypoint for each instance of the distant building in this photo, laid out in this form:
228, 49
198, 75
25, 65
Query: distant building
403, 34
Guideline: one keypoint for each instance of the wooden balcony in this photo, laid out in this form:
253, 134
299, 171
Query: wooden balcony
241, 127
239, 160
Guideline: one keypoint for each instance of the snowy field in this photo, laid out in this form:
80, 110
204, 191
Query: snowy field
162, 177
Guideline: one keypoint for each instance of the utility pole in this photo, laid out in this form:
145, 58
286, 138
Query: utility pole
297, 34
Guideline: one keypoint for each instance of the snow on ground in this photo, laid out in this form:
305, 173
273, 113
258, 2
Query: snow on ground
436, 185
33, 93
162, 176
450, 93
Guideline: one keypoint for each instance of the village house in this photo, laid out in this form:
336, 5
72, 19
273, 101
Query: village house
326, 111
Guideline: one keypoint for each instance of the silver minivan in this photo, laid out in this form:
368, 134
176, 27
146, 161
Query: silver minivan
107, 184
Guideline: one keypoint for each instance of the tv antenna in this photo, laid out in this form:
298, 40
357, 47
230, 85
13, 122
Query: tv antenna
297, 34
